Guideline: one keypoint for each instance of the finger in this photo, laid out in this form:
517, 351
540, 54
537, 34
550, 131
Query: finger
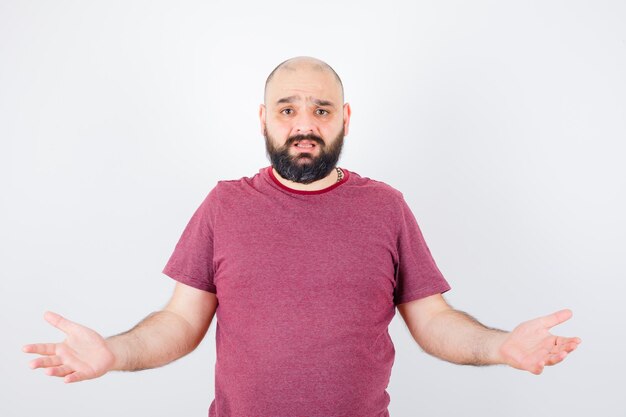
59, 371
559, 317
538, 368
560, 340
568, 340
570, 347
567, 344
61, 323
556, 358
535, 362
75, 377
46, 362
40, 348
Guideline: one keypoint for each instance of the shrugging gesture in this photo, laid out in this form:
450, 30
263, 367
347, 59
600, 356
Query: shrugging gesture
84, 354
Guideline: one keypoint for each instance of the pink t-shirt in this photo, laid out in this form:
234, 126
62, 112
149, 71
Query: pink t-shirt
307, 284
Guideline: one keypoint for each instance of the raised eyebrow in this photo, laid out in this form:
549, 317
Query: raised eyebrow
289, 99
316, 101
323, 103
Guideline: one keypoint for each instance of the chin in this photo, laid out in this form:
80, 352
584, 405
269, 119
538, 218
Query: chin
302, 155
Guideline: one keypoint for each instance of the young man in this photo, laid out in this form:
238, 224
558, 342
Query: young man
304, 264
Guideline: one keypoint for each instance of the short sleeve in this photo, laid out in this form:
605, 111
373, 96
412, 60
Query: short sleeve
417, 275
192, 260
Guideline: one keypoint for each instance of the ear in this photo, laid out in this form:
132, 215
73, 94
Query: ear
347, 112
262, 118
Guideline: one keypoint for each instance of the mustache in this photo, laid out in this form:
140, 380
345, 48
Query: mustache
311, 137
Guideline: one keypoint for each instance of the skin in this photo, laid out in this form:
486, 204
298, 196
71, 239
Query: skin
304, 98
160, 338
173, 332
457, 337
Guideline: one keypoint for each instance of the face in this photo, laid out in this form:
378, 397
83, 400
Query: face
304, 123
295, 160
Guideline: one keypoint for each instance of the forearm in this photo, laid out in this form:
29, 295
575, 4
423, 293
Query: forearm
160, 338
459, 338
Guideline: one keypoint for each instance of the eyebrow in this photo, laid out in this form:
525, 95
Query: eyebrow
317, 101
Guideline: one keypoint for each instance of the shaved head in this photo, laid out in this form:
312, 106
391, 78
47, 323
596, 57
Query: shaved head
303, 62
304, 119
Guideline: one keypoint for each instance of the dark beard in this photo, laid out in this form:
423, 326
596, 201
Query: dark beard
303, 167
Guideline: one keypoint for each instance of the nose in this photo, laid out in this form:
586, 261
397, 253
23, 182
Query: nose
304, 124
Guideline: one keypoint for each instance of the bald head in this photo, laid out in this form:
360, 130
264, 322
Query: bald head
305, 63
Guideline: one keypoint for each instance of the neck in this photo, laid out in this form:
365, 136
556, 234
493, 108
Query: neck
320, 184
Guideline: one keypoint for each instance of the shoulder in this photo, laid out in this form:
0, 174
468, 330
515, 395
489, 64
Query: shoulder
232, 192
240, 184
376, 188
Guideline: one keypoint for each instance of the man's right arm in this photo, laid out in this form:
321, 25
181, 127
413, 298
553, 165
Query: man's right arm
160, 338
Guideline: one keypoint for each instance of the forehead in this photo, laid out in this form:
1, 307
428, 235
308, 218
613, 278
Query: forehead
305, 83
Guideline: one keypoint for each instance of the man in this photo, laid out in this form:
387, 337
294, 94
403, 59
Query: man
304, 264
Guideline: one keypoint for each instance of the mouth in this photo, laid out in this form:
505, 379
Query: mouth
305, 145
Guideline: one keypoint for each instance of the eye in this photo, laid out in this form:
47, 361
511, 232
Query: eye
321, 112
287, 111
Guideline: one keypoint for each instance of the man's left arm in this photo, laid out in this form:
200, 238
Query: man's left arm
457, 337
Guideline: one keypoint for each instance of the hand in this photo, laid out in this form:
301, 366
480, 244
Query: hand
83, 355
531, 347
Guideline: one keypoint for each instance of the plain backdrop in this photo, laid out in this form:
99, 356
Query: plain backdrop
503, 124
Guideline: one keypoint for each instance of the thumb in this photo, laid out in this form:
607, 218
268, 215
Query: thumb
559, 317
60, 322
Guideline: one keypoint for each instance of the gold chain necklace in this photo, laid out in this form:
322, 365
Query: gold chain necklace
339, 174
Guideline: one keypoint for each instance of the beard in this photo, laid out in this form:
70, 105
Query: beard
304, 167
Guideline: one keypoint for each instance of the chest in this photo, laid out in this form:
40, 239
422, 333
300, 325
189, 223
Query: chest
312, 261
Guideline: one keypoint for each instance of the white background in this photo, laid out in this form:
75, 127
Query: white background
503, 123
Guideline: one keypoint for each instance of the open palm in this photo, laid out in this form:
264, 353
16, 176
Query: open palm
84, 354
531, 346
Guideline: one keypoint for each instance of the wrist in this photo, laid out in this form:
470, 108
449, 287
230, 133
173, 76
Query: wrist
118, 353
497, 356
